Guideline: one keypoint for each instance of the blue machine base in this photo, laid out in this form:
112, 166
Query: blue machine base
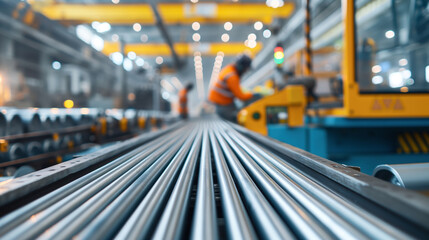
366, 143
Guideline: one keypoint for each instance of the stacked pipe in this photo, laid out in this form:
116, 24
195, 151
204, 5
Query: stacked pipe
22, 121
204, 180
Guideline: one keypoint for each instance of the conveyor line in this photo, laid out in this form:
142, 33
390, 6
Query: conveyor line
208, 179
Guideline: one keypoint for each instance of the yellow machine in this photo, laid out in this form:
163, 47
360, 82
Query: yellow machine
383, 106
256, 116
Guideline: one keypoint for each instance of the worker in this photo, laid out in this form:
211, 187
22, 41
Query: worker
227, 87
183, 100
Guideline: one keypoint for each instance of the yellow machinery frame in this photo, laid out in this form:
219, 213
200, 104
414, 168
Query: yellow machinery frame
254, 117
356, 105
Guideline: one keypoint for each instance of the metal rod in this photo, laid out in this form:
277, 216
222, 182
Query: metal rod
338, 226
111, 219
170, 225
303, 224
71, 195
361, 219
267, 221
141, 222
238, 224
205, 222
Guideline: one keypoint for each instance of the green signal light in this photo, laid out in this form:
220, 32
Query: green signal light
278, 55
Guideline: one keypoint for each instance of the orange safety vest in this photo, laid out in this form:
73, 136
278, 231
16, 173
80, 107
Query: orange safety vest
220, 92
183, 101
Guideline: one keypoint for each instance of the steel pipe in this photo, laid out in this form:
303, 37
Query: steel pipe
165, 187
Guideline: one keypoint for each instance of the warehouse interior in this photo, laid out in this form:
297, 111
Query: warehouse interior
214, 119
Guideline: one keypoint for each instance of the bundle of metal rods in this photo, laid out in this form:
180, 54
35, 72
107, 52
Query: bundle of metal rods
204, 180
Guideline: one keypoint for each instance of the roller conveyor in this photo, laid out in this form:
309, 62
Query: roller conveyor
207, 179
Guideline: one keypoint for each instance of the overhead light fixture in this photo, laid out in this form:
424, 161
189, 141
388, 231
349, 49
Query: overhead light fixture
132, 55
167, 85
177, 83
266, 33
274, 3
101, 27
159, 60
84, 33
128, 65
56, 65
137, 27
140, 62
97, 42
115, 37
194, 1
252, 44
115, 1
117, 58
403, 62
196, 26
389, 34
144, 38
196, 37
225, 37
258, 25
227, 26
251, 37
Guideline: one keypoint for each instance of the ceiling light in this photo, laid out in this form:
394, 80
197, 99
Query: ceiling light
115, 1
403, 62
266, 33
84, 33
275, 3
132, 55
137, 27
194, 1
225, 37
128, 64
258, 25
95, 25
196, 37
390, 34
117, 58
196, 26
227, 26
251, 37
140, 62
176, 82
159, 60
56, 65
252, 44
97, 42
144, 38
101, 27
115, 37
246, 43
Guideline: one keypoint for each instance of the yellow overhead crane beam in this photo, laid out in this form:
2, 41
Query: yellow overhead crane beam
172, 13
161, 49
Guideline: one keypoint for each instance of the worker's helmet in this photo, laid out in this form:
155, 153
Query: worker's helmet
243, 63
189, 86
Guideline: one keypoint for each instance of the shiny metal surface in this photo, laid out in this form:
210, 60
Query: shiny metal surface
203, 179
